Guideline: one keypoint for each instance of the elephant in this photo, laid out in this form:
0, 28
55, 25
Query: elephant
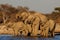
6, 30
35, 26
22, 16
48, 28
20, 28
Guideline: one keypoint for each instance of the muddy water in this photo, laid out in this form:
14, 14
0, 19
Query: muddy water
8, 37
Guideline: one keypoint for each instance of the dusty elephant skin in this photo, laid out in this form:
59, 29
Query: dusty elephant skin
22, 21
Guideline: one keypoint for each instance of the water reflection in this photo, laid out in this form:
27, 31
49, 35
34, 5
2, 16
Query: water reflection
8, 37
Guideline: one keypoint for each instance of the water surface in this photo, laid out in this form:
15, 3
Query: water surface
8, 37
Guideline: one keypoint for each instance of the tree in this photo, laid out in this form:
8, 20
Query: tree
57, 9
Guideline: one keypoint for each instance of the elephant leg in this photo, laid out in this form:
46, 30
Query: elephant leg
34, 32
46, 32
16, 33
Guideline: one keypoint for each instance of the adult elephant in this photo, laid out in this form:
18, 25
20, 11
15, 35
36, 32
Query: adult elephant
48, 28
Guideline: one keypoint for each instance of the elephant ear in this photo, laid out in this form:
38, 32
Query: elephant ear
42, 17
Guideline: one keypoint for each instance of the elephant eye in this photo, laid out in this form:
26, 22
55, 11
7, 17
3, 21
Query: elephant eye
20, 17
29, 22
17, 17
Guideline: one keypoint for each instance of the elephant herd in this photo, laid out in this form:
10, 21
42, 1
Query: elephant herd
27, 23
